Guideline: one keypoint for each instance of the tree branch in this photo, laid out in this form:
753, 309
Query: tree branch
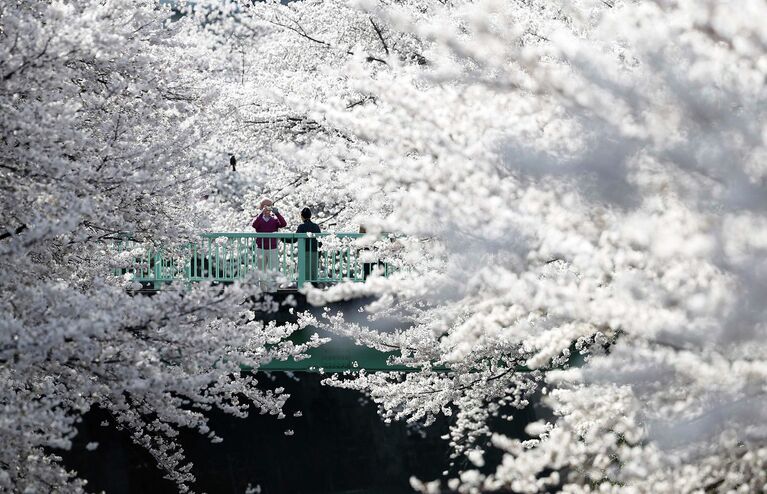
7, 233
380, 35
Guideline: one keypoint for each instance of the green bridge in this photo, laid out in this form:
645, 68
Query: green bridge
278, 262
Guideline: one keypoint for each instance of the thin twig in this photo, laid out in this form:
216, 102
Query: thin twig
380, 35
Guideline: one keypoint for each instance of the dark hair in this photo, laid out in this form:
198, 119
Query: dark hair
306, 213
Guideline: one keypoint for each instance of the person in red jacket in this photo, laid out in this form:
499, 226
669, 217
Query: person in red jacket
269, 220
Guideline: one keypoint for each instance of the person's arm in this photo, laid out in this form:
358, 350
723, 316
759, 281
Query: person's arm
255, 222
280, 220
317, 230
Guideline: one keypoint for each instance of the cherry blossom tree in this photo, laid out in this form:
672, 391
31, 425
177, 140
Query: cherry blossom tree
582, 186
101, 133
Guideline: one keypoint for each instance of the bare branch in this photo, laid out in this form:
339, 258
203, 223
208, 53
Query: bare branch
380, 35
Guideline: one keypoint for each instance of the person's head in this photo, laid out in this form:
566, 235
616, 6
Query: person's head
266, 206
306, 214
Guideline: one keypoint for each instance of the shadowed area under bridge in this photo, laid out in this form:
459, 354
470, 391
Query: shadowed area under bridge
339, 444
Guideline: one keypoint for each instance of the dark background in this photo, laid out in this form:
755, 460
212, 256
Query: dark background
340, 445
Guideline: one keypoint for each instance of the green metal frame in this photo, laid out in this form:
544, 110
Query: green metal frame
229, 257
339, 355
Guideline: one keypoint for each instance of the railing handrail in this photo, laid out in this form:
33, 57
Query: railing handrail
280, 235
228, 256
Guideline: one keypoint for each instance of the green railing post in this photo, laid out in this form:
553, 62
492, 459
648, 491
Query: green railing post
157, 269
302, 260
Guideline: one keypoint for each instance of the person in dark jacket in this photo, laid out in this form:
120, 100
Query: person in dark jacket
312, 245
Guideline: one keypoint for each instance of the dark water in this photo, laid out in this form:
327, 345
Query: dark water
340, 445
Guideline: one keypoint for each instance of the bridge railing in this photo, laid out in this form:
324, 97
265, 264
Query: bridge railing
282, 260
